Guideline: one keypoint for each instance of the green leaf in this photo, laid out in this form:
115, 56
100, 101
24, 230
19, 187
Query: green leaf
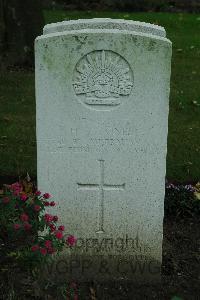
12, 254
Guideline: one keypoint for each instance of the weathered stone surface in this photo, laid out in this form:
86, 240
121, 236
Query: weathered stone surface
102, 109
105, 23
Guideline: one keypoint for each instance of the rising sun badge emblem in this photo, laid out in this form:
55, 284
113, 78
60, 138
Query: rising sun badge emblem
102, 78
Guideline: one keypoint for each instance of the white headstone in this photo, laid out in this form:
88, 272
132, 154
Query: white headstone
102, 89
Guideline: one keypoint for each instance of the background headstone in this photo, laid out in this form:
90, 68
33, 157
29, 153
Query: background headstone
102, 89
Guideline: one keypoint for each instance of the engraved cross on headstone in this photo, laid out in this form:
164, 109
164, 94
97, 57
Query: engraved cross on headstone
101, 187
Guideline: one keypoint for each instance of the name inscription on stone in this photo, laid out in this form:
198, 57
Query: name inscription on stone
90, 139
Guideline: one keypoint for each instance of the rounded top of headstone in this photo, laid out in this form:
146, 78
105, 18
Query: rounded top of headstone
105, 23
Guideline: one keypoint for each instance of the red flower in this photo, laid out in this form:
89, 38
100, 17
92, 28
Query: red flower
23, 197
55, 218
16, 193
59, 234
73, 285
46, 196
51, 250
46, 203
16, 226
37, 193
24, 217
48, 244
37, 208
34, 248
71, 240
27, 226
61, 227
43, 251
6, 200
52, 227
52, 203
48, 218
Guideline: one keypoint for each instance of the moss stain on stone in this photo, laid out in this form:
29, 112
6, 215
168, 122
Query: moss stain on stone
152, 45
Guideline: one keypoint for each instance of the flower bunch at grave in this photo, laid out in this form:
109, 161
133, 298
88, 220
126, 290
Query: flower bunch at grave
182, 200
27, 230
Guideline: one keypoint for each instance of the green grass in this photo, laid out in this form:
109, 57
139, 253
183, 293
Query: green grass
17, 101
17, 123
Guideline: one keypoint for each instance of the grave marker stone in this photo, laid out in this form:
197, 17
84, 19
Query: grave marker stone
102, 91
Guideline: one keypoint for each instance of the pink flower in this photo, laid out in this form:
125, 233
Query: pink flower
71, 240
16, 226
46, 196
61, 227
27, 226
59, 234
52, 227
43, 251
55, 218
34, 248
37, 208
24, 217
23, 197
46, 203
48, 218
37, 193
52, 203
16, 187
48, 244
6, 200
